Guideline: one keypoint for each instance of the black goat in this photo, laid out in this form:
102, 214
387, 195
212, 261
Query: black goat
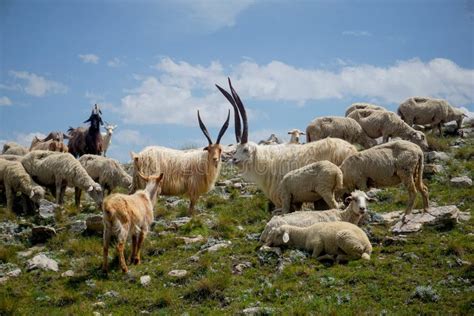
84, 140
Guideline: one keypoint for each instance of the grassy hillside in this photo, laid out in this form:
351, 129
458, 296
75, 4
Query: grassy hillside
429, 272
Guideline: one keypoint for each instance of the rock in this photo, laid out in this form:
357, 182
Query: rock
297, 255
99, 304
218, 247
432, 169
179, 274
41, 234
446, 216
225, 183
425, 294
78, 227
434, 156
46, 209
111, 294
239, 268
30, 251
67, 274
410, 257
451, 128
180, 221
9, 270
464, 216
96, 314
274, 250
145, 280
42, 262
396, 240
466, 132
238, 185
254, 311
461, 182
192, 240
95, 225
372, 193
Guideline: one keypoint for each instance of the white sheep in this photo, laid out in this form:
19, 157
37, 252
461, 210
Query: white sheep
429, 111
51, 145
58, 170
353, 213
311, 183
12, 148
295, 136
363, 106
107, 137
191, 172
108, 172
11, 157
342, 240
387, 165
14, 178
387, 124
339, 127
267, 165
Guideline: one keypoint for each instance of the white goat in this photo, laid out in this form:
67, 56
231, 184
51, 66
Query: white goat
107, 137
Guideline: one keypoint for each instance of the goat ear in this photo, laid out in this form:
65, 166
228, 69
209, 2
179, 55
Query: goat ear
160, 178
32, 193
286, 237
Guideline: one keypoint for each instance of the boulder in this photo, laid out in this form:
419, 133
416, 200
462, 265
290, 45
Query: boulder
178, 273
42, 262
432, 169
41, 234
95, 225
46, 209
461, 182
434, 156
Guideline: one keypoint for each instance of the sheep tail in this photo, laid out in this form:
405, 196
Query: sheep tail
365, 256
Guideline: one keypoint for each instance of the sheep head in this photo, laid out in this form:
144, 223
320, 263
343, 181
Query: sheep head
214, 150
295, 136
278, 236
95, 192
419, 138
358, 202
37, 193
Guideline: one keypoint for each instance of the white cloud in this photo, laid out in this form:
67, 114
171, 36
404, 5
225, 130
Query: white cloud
25, 139
38, 86
5, 101
182, 88
129, 137
115, 62
357, 33
215, 14
89, 58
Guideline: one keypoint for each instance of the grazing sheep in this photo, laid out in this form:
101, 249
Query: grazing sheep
190, 173
129, 214
363, 106
107, 137
311, 183
108, 172
388, 124
352, 213
338, 127
58, 170
429, 111
387, 165
295, 136
12, 148
14, 178
51, 145
267, 165
87, 140
342, 240
11, 157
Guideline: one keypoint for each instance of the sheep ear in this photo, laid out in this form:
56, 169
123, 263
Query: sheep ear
32, 193
289, 132
348, 199
286, 237
90, 189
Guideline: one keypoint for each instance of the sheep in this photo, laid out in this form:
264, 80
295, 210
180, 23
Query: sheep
387, 124
12, 148
87, 140
124, 214
51, 145
107, 137
387, 165
310, 183
363, 106
267, 165
108, 172
14, 178
429, 111
353, 213
342, 240
295, 136
190, 173
11, 157
339, 127
58, 170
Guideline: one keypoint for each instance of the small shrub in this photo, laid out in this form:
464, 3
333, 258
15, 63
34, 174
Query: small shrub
437, 144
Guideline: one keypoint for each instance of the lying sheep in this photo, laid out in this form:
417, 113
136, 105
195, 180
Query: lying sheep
363, 106
338, 127
387, 165
14, 178
11, 157
429, 111
353, 213
12, 148
129, 214
387, 124
58, 170
310, 183
108, 172
51, 145
342, 240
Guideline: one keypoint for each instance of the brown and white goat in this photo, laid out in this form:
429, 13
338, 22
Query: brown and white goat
191, 173
129, 214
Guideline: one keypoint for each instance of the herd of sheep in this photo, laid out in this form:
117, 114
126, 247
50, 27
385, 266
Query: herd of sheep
327, 167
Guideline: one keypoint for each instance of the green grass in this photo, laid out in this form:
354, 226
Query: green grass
384, 285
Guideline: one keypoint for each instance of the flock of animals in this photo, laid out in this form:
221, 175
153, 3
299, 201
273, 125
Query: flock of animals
327, 167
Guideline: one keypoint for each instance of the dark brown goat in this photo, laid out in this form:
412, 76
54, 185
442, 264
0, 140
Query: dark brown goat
84, 140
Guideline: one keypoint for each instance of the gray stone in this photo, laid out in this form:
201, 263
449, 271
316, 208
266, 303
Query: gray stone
192, 240
434, 156
178, 273
41, 261
111, 294
467, 132
145, 280
461, 182
425, 294
67, 274
78, 227
180, 221
41, 234
240, 267
46, 209
254, 311
218, 247
432, 169
95, 224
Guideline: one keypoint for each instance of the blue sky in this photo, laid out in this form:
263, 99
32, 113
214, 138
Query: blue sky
152, 64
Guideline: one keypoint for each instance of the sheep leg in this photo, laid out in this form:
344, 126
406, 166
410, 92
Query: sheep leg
410, 184
297, 206
61, 194
77, 196
10, 197
440, 127
133, 255
286, 205
141, 237
318, 246
107, 235
330, 199
424, 193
